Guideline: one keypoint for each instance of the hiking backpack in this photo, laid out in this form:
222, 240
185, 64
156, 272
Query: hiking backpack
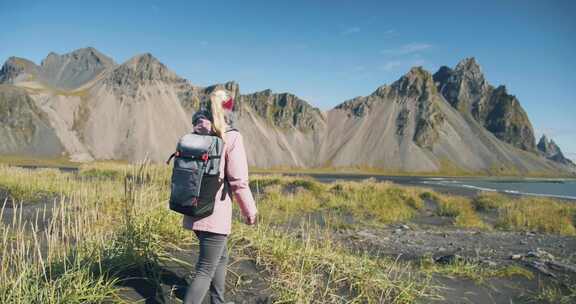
196, 175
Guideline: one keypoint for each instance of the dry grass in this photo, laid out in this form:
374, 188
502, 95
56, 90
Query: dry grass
486, 201
308, 270
113, 217
459, 208
538, 214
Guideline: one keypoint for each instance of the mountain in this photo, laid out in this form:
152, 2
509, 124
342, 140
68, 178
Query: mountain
87, 107
409, 126
551, 151
74, 69
466, 89
68, 71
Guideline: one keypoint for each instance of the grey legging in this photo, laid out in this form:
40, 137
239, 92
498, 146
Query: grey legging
210, 269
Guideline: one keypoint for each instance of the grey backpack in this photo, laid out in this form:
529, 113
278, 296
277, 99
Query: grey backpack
196, 175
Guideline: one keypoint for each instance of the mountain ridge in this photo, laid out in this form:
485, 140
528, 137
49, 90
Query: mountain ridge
414, 124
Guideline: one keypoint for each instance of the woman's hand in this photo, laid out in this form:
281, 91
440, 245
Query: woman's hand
250, 220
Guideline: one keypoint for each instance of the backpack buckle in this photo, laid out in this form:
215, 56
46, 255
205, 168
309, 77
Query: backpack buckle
204, 157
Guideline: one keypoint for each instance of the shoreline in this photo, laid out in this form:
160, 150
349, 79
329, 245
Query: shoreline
434, 183
452, 188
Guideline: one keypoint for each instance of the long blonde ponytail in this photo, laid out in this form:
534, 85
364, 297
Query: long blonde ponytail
219, 124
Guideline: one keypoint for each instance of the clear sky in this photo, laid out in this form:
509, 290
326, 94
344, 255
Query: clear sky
323, 51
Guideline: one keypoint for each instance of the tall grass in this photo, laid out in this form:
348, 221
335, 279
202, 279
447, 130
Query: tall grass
308, 270
70, 251
459, 208
77, 238
538, 214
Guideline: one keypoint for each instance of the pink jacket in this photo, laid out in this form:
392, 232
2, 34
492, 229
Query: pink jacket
235, 168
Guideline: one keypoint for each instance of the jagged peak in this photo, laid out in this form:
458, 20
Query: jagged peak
547, 145
143, 59
15, 67
144, 67
443, 73
417, 73
501, 89
417, 80
444, 69
543, 140
468, 64
19, 62
282, 95
266, 92
86, 53
549, 149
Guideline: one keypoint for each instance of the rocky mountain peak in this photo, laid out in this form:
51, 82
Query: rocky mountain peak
140, 70
71, 70
17, 69
462, 86
549, 149
146, 67
284, 110
466, 89
84, 58
416, 83
548, 146
468, 64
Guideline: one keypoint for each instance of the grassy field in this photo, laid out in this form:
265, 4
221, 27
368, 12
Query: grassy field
76, 237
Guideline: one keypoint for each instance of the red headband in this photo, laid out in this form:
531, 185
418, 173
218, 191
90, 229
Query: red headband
228, 104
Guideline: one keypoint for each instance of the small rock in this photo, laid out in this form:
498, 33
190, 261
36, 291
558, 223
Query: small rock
448, 259
398, 230
561, 266
489, 263
540, 266
405, 227
441, 249
516, 257
523, 242
540, 254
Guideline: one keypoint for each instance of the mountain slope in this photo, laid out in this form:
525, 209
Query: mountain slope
281, 130
24, 128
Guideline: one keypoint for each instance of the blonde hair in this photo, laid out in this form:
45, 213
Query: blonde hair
219, 122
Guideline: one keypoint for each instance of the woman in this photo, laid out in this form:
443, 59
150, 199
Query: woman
213, 231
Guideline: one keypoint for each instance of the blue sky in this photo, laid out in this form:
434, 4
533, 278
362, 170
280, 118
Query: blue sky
323, 51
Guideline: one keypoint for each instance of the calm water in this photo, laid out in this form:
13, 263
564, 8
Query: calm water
559, 188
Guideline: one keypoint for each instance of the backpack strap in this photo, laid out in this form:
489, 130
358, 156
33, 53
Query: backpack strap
227, 189
171, 157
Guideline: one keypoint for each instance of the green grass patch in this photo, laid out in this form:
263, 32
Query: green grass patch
473, 270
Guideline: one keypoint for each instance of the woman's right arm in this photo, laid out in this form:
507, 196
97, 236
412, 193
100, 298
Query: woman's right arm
237, 175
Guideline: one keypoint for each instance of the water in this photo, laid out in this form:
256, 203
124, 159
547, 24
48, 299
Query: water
557, 188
